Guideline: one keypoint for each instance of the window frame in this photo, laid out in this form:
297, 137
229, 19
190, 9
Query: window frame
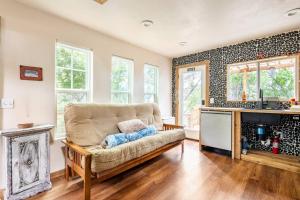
258, 62
88, 81
156, 94
130, 80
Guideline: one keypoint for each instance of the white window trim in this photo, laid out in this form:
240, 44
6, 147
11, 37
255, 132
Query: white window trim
257, 62
130, 80
88, 90
156, 93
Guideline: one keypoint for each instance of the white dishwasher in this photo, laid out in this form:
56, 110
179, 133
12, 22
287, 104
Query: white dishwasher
215, 129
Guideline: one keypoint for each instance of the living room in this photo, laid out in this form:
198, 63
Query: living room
102, 99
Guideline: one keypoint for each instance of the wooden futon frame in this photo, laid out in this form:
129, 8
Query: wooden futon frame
74, 164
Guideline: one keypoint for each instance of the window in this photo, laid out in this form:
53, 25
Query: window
151, 77
276, 77
72, 80
121, 80
242, 78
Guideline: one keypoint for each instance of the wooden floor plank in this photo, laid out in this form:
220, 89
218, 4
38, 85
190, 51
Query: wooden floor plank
195, 175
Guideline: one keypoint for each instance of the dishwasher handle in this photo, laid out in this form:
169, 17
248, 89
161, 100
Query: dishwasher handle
216, 112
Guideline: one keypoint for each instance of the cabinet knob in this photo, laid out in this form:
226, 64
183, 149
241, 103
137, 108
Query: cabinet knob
29, 162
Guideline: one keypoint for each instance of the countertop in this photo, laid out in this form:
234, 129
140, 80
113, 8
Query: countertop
290, 112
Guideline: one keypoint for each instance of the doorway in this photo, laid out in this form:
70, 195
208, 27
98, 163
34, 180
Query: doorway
191, 95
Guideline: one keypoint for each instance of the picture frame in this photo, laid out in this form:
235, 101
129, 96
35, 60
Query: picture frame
31, 73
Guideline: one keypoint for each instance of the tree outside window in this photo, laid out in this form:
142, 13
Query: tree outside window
151, 76
276, 77
121, 80
72, 80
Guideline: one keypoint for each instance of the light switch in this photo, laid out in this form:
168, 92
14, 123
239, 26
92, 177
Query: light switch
212, 100
7, 103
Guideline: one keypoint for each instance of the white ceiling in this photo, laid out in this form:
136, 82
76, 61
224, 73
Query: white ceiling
203, 24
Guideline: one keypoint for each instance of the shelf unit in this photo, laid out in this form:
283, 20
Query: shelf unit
286, 162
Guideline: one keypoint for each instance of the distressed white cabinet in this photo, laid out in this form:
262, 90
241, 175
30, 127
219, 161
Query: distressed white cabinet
27, 158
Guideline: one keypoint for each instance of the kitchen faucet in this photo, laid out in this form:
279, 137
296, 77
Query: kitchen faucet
261, 96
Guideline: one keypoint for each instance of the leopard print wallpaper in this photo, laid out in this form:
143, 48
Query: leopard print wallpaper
277, 45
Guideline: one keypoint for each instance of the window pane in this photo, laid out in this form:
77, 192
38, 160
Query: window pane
72, 72
121, 98
63, 99
242, 78
80, 60
79, 97
150, 83
277, 78
60, 126
63, 78
150, 79
191, 90
79, 80
149, 98
63, 56
121, 80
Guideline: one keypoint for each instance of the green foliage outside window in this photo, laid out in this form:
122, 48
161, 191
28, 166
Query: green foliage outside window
276, 78
280, 83
150, 83
121, 78
72, 69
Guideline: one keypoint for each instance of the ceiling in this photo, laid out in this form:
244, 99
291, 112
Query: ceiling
203, 24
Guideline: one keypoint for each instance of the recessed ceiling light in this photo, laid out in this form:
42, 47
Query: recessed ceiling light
182, 43
147, 23
293, 12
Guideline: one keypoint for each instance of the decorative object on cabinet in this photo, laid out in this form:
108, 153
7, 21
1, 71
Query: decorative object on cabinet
25, 125
31, 73
27, 158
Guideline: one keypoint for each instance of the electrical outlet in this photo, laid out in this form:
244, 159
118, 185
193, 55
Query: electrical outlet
7, 103
296, 117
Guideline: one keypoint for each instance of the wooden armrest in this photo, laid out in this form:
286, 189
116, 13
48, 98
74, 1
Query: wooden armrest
76, 148
171, 126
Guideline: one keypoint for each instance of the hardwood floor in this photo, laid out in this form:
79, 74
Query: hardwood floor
195, 175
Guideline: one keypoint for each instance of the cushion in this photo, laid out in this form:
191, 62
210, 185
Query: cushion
150, 130
130, 126
89, 124
133, 136
115, 140
103, 159
120, 138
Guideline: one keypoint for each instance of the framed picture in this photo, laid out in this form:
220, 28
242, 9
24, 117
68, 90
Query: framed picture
31, 73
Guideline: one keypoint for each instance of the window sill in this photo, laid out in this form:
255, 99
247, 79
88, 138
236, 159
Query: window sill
237, 101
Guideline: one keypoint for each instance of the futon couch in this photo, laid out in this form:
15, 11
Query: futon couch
87, 126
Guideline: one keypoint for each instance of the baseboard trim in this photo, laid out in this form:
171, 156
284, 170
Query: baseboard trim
57, 174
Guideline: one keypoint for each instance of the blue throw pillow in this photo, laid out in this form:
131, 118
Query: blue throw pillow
133, 136
121, 138
115, 140
150, 130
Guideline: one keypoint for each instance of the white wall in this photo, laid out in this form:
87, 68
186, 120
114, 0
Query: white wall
28, 37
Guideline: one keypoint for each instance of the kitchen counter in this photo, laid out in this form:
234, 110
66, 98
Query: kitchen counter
261, 157
221, 109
